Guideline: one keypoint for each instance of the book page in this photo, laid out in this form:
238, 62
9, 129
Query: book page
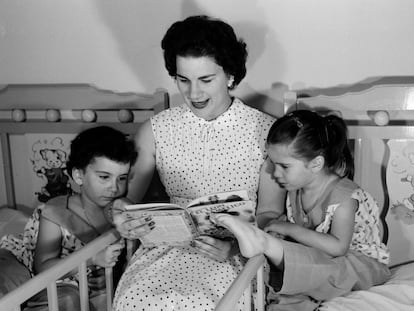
174, 228
201, 216
152, 206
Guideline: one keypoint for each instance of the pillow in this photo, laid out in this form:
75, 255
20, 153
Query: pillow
12, 272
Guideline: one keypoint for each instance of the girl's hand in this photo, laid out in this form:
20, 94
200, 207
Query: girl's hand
109, 256
128, 226
278, 228
215, 248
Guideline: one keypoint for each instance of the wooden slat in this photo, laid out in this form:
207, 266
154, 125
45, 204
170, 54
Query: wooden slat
109, 288
7, 168
233, 294
52, 297
83, 287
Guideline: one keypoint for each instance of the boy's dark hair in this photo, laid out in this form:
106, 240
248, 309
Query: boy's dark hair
100, 141
310, 134
201, 35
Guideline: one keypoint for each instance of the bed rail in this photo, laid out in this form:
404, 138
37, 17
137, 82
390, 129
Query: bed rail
253, 267
47, 279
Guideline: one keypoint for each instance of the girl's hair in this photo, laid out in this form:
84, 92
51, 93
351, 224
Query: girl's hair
310, 134
101, 141
199, 36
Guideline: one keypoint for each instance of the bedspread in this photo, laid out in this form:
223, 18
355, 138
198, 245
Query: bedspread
397, 294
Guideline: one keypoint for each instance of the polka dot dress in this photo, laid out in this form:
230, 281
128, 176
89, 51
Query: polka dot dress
195, 157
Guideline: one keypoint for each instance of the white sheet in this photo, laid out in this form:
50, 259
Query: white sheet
395, 295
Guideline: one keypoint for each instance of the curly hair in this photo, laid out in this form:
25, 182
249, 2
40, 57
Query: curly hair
100, 141
201, 35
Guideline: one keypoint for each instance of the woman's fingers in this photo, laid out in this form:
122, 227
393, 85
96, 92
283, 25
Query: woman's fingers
133, 228
212, 247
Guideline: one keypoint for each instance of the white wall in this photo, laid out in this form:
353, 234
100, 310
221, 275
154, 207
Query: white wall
115, 44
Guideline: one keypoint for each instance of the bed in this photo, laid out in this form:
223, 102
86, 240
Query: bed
381, 127
380, 119
37, 123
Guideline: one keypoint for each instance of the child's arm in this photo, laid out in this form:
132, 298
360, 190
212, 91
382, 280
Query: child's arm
48, 247
334, 243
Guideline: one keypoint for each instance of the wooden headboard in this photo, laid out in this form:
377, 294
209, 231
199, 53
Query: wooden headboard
48, 116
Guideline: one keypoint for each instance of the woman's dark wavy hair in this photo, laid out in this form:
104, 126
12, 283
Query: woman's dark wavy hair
202, 35
100, 141
310, 134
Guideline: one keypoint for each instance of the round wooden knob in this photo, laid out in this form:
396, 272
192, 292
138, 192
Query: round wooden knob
88, 115
19, 115
52, 115
381, 118
125, 116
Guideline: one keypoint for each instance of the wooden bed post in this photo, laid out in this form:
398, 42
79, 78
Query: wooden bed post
8, 173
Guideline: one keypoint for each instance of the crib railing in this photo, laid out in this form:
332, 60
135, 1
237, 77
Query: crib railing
243, 282
47, 279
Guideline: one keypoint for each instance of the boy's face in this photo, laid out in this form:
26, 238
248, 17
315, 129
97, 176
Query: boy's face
103, 180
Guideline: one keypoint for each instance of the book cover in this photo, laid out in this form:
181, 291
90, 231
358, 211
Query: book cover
178, 226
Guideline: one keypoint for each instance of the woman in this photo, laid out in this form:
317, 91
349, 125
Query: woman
212, 143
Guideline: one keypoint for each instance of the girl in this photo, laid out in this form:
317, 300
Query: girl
331, 243
99, 163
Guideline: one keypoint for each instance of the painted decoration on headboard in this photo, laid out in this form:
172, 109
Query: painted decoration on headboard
401, 179
400, 185
48, 158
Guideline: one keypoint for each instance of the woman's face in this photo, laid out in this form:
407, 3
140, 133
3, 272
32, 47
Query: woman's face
203, 85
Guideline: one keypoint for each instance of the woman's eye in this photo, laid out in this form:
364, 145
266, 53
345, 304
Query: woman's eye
103, 177
182, 80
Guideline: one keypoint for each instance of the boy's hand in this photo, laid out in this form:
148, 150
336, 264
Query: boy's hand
109, 256
96, 280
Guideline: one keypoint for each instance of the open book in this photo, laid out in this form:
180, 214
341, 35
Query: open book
178, 226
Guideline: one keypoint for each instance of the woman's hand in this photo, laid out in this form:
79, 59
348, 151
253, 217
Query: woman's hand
130, 227
215, 248
109, 256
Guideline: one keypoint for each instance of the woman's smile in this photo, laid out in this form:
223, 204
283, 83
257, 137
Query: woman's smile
200, 104
203, 85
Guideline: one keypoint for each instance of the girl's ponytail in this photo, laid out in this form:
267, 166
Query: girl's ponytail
338, 154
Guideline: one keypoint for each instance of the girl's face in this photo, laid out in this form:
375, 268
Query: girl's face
203, 85
102, 181
290, 173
